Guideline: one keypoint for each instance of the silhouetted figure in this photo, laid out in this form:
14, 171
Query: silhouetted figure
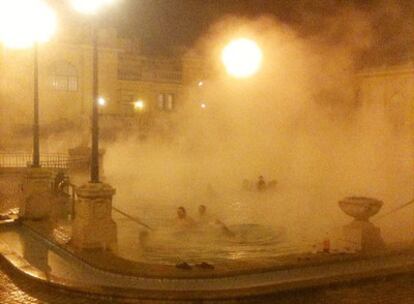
183, 219
261, 184
202, 209
206, 219
203, 217
59, 178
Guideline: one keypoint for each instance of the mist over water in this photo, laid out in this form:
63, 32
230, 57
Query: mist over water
299, 121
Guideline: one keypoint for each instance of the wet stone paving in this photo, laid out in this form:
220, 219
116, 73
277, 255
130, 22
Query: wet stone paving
19, 290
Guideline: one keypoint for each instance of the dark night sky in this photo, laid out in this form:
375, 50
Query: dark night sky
183, 21
165, 23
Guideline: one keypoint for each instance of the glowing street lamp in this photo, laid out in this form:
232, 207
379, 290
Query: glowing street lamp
24, 24
139, 105
242, 58
92, 7
102, 101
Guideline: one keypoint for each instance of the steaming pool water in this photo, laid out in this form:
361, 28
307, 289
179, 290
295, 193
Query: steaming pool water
168, 245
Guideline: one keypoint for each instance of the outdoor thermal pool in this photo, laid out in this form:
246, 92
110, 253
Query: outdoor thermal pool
166, 243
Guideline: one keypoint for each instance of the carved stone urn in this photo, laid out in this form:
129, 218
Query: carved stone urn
361, 234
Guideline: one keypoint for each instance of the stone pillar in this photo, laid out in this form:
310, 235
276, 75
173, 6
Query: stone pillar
93, 227
363, 236
37, 196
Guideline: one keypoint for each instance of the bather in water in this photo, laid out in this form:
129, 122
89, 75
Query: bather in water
207, 221
184, 221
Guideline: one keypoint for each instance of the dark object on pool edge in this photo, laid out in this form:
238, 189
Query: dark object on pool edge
205, 265
183, 265
4, 217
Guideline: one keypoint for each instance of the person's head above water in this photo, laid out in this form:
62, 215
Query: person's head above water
181, 212
202, 209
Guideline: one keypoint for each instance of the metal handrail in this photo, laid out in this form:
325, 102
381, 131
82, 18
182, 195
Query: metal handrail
71, 192
394, 210
134, 219
47, 160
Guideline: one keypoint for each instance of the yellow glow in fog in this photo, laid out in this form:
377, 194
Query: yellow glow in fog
242, 58
89, 6
101, 101
25, 22
139, 105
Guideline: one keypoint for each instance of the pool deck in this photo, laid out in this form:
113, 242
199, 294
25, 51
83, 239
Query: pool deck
29, 250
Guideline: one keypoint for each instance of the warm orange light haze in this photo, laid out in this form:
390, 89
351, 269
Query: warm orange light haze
90, 6
242, 58
139, 105
25, 22
102, 101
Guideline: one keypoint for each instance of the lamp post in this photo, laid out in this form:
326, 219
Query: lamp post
93, 226
95, 110
25, 28
36, 139
24, 24
92, 8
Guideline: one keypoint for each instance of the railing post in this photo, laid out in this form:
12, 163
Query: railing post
73, 200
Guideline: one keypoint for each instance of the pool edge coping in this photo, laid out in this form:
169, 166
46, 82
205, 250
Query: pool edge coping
21, 266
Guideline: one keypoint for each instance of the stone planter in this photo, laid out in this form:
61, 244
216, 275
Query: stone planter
361, 233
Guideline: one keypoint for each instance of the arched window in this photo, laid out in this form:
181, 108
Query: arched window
64, 76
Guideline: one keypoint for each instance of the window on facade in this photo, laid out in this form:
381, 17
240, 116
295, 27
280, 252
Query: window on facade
126, 103
160, 101
64, 76
166, 101
169, 103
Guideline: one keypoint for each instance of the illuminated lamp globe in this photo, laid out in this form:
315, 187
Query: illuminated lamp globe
242, 58
26, 22
101, 101
139, 105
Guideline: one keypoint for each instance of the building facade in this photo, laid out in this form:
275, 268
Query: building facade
133, 87
390, 89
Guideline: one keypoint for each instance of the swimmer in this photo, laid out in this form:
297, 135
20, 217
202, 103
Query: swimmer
183, 219
206, 219
261, 184
203, 217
